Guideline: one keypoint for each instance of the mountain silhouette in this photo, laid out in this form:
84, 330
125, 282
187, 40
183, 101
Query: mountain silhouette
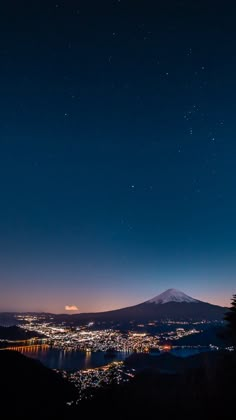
171, 304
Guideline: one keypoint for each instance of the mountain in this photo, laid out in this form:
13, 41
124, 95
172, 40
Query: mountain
172, 295
171, 304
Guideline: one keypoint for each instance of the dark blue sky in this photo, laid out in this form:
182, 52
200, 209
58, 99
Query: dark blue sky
117, 152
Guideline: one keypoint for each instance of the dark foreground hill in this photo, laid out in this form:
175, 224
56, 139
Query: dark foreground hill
30, 390
204, 388
199, 387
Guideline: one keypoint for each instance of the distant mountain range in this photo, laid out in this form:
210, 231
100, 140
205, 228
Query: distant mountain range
171, 304
17, 333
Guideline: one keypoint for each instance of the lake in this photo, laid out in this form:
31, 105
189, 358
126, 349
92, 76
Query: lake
55, 358
72, 360
189, 351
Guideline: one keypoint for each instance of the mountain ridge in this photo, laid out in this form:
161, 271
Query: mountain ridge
169, 305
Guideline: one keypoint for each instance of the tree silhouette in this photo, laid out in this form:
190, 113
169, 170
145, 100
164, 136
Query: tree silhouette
230, 317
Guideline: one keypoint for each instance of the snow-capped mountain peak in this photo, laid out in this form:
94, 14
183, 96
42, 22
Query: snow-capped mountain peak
172, 295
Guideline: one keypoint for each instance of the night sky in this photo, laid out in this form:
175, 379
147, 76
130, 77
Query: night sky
117, 152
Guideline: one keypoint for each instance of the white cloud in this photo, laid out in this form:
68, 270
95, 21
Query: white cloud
71, 308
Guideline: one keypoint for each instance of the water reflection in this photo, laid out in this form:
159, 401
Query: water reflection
55, 358
87, 359
69, 360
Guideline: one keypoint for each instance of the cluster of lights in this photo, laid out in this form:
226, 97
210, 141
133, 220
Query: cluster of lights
87, 381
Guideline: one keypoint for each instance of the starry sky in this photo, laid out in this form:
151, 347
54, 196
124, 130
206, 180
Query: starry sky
117, 152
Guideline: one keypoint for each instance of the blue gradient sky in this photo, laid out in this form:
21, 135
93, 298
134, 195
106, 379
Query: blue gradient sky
117, 153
